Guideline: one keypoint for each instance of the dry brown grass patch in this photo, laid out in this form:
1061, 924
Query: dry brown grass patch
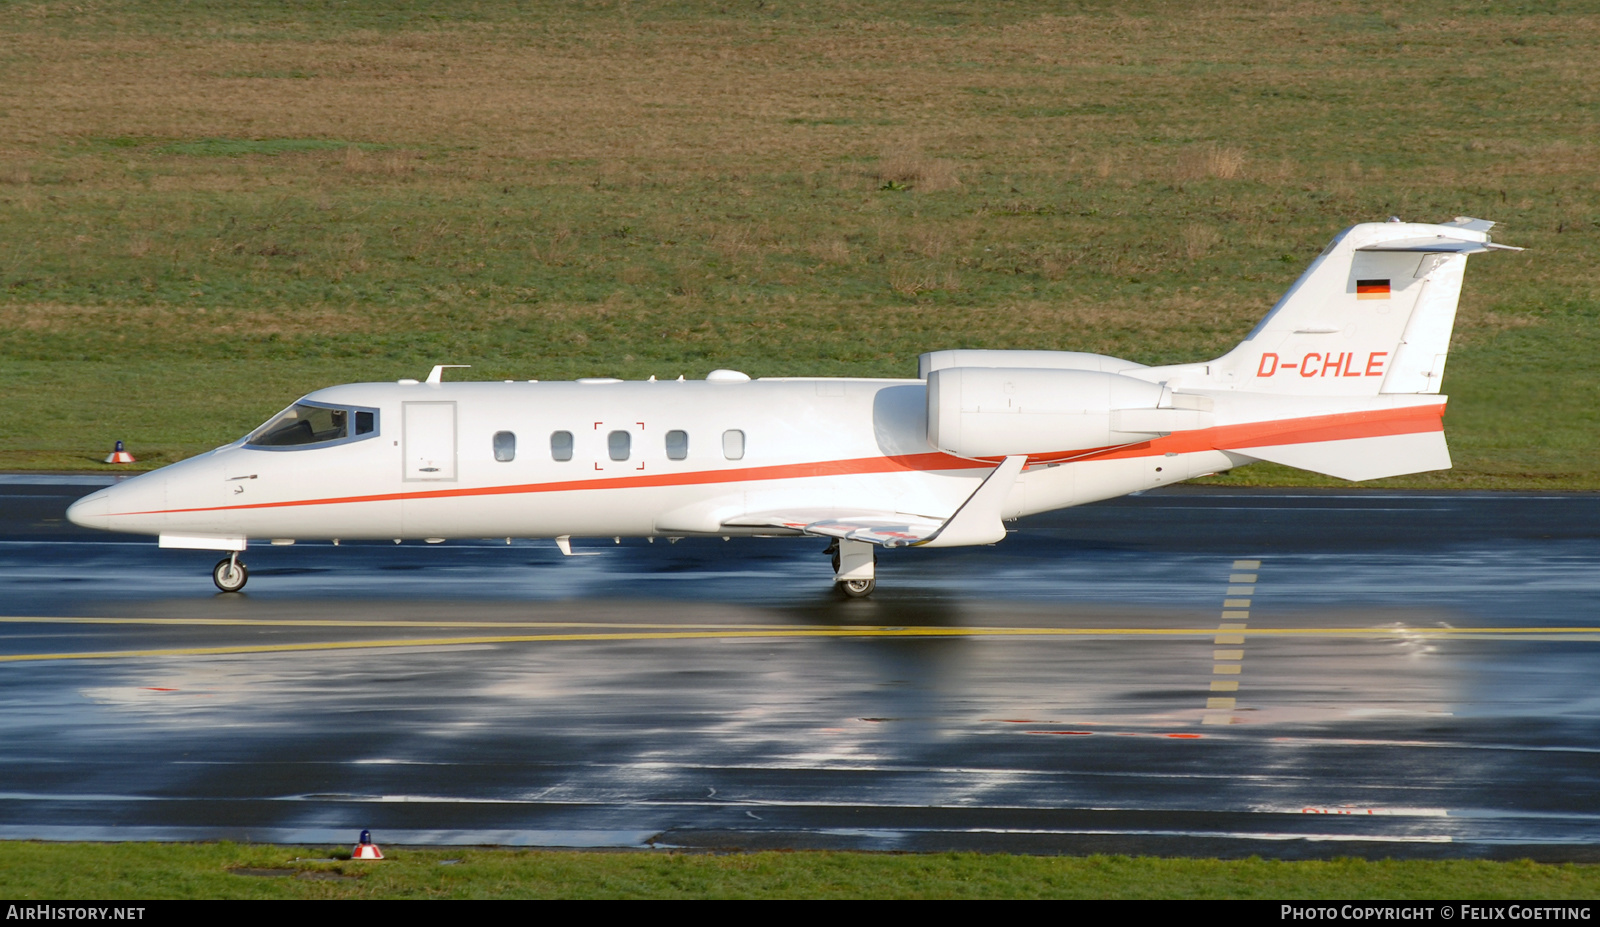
179, 321
933, 240
1217, 161
1198, 240
833, 249
354, 160
909, 167
741, 239
348, 254
557, 250
1057, 264
691, 282
908, 280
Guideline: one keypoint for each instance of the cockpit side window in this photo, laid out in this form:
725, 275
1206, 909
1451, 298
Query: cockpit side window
312, 424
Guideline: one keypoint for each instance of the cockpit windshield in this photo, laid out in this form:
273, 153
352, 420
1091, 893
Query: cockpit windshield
305, 423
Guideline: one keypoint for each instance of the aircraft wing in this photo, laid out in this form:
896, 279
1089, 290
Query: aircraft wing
977, 521
885, 529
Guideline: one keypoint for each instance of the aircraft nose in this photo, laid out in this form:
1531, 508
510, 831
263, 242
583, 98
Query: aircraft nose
92, 511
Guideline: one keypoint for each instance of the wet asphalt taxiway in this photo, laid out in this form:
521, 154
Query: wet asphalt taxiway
1288, 673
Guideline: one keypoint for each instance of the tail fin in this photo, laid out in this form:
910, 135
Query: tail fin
1371, 315
1370, 320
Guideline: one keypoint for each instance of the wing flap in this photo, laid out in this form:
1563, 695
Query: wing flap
885, 529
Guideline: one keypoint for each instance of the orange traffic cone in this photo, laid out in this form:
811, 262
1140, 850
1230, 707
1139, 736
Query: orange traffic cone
366, 849
119, 455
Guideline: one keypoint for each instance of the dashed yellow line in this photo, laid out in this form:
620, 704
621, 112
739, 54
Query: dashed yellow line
663, 635
718, 629
388, 623
747, 633
414, 642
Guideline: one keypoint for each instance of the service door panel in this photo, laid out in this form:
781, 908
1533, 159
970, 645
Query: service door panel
429, 441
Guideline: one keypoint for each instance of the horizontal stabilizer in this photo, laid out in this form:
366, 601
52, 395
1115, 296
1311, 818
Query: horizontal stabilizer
1362, 458
1437, 244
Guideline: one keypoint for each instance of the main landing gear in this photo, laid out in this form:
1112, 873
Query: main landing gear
855, 566
229, 574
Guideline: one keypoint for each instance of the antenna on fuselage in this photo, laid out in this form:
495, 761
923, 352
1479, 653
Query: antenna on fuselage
437, 376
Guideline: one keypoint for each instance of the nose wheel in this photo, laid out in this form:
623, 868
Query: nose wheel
229, 574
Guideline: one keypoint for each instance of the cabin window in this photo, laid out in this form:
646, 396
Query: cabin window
505, 446
308, 424
619, 443
561, 445
677, 445
733, 444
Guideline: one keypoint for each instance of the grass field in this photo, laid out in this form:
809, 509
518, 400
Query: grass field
209, 208
150, 871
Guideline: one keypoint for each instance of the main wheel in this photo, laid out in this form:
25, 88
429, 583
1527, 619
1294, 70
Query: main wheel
857, 588
229, 574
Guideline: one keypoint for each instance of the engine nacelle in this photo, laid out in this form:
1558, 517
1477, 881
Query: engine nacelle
1037, 360
996, 412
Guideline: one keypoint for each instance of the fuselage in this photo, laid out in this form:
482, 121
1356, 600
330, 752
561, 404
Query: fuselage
605, 458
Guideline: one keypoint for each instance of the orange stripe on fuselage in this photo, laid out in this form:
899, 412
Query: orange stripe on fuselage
1341, 426
920, 462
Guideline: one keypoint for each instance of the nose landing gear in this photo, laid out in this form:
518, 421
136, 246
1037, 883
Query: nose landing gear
229, 574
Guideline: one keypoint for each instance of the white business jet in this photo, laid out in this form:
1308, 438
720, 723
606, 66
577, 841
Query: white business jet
1341, 378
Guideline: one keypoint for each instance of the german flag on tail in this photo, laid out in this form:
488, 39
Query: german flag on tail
1372, 289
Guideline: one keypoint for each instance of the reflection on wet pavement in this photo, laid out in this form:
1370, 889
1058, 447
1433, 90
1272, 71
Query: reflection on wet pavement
1418, 681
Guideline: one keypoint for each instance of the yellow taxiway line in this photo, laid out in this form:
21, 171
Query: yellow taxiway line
394, 623
659, 632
